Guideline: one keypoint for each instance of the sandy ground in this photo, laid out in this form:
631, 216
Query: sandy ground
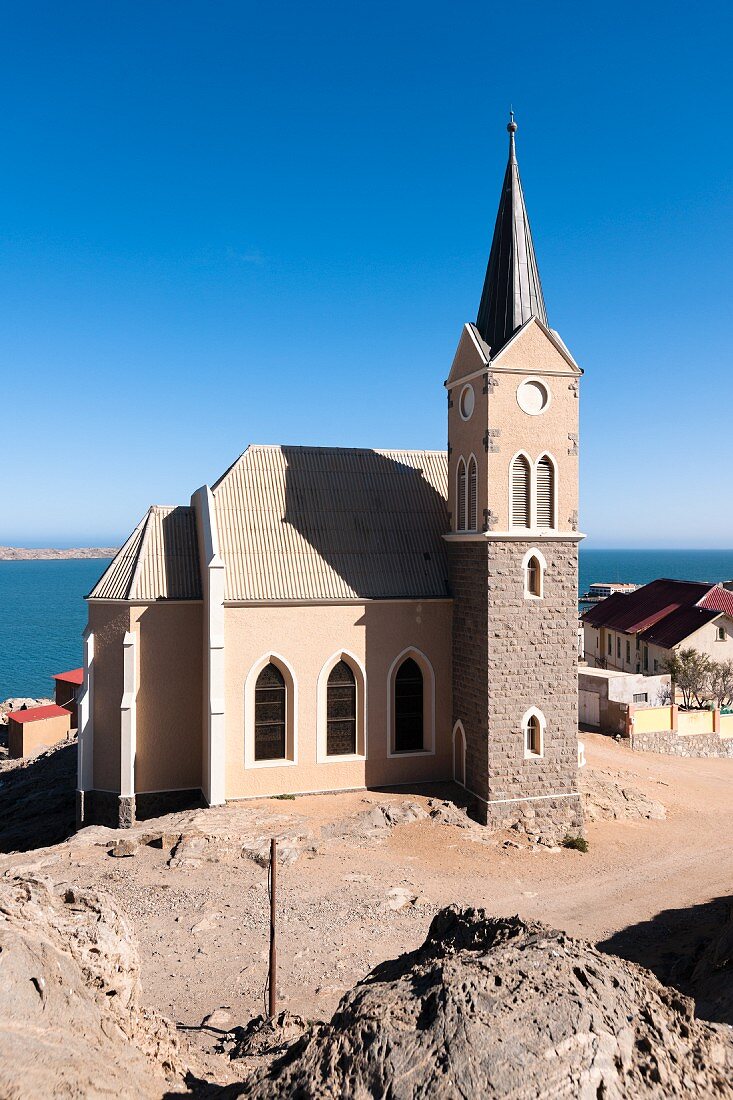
203, 928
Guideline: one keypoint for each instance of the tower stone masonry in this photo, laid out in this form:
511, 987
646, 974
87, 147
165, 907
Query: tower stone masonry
513, 546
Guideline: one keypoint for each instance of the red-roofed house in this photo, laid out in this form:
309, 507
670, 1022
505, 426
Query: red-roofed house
68, 685
637, 632
36, 728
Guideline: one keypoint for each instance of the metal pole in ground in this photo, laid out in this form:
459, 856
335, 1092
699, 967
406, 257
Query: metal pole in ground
273, 910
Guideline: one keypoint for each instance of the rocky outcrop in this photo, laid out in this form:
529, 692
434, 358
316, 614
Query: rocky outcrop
501, 1007
40, 790
605, 799
71, 1020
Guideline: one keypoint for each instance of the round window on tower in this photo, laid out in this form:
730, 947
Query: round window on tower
533, 396
466, 402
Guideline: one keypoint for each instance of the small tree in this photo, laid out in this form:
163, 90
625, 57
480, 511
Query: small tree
720, 683
690, 672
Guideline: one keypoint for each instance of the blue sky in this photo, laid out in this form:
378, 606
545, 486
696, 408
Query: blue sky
232, 222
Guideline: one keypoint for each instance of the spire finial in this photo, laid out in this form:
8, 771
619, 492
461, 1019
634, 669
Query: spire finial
511, 125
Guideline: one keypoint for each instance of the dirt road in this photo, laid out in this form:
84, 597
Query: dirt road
356, 895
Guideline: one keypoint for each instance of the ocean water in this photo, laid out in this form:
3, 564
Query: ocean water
42, 616
42, 609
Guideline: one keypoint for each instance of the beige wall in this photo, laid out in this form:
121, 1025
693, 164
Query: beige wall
704, 640
109, 622
305, 638
26, 737
170, 664
532, 354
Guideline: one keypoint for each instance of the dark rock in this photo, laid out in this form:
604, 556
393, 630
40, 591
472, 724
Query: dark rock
500, 1007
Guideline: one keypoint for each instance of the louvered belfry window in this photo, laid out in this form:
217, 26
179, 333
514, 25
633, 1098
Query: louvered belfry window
472, 496
341, 711
520, 492
270, 714
545, 493
461, 496
408, 707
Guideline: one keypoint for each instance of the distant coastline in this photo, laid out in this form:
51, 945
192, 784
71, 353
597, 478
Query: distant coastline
32, 553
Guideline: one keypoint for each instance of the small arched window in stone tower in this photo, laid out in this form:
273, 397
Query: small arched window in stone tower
270, 714
520, 516
341, 711
472, 524
534, 577
408, 707
545, 492
461, 496
533, 731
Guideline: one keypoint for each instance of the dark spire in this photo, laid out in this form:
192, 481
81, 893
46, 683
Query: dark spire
512, 289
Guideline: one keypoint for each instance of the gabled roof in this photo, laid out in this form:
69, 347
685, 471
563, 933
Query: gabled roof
678, 625
322, 523
512, 290
159, 561
637, 611
718, 599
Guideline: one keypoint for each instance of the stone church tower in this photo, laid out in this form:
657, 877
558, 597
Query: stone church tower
513, 546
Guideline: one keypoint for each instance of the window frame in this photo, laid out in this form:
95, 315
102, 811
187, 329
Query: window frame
461, 482
542, 568
428, 675
550, 460
533, 713
459, 731
471, 516
362, 738
291, 713
530, 491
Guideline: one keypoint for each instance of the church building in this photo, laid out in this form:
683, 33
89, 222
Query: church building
325, 619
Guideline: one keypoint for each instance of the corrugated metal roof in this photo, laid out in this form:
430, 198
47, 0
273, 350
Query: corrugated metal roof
718, 599
37, 714
675, 627
74, 676
637, 611
302, 523
158, 562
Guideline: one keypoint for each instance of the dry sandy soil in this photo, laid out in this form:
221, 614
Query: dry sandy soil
646, 889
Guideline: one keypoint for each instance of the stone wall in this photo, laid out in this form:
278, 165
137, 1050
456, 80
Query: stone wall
673, 744
469, 568
511, 653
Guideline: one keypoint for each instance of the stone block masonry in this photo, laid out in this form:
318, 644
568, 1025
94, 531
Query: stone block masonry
700, 745
511, 653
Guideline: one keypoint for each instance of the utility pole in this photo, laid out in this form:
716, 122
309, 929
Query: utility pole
273, 910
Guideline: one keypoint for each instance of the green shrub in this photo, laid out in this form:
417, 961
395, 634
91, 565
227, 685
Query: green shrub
579, 843
284, 796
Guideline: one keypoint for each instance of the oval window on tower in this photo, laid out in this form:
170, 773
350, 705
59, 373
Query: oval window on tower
466, 402
533, 397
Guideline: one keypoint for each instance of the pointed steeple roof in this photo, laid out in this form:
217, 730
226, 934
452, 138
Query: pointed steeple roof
512, 289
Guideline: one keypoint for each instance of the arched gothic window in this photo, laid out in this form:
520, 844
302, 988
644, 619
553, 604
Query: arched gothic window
534, 577
461, 496
472, 524
341, 711
533, 732
545, 492
408, 707
270, 714
520, 480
